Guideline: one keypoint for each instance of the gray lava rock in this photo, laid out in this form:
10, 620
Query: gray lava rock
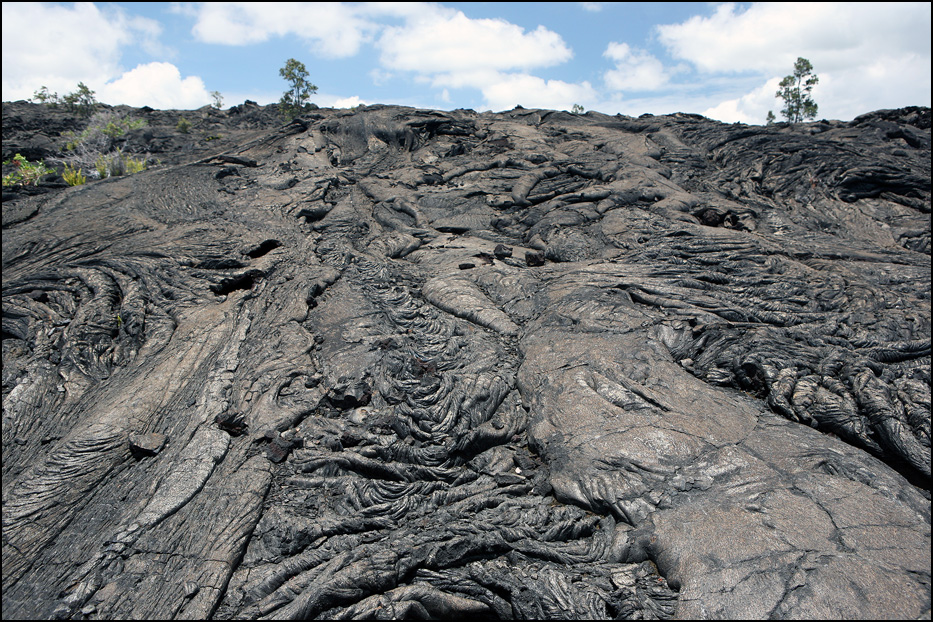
710, 398
534, 258
143, 445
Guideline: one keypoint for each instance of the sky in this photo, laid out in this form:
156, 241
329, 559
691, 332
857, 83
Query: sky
721, 60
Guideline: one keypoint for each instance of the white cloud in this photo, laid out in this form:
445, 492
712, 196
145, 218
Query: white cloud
635, 70
58, 46
431, 38
867, 55
348, 102
751, 108
841, 94
440, 46
380, 77
445, 48
331, 29
446, 41
592, 7
770, 36
884, 82
263, 98
509, 90
158, 85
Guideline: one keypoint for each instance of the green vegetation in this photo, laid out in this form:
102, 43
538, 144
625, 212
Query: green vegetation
795, 91
74, 176
118, 163
91, 152
133, 165
770, 118
183, 126
80, 100
295, 99
26, 174
577, 109
218, 100
43, 96
101, 130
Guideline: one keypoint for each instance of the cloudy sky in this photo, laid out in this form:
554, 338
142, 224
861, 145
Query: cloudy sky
720, 60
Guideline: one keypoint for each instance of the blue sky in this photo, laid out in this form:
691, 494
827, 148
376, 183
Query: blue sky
722, 60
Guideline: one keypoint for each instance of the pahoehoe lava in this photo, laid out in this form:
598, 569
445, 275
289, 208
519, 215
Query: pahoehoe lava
399, 363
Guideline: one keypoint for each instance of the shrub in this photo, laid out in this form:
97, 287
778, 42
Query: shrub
25, 174
74, 176
103, 128
81, 100
134, 165
43, 96
92, 150
183, 126
115, 129
103, 166
118, 163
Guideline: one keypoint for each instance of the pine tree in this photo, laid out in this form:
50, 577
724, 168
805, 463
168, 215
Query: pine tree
294, 99
795, 91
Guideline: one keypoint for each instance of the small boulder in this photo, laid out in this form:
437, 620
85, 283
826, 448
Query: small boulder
534, 258
502, 251
144, 445
348, 394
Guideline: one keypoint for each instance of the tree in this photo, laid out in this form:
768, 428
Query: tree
82, 100
795, 91
296, 97
218, 100
770, 118
44, 96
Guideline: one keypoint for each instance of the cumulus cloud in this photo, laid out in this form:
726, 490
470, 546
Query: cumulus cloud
635, 70
349, 102
331, 29
751, 108
446, 49
867, 55
886, 82
769, 36
510, 90
158, 85
423, 42
66, 45
84, 43
447, 41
